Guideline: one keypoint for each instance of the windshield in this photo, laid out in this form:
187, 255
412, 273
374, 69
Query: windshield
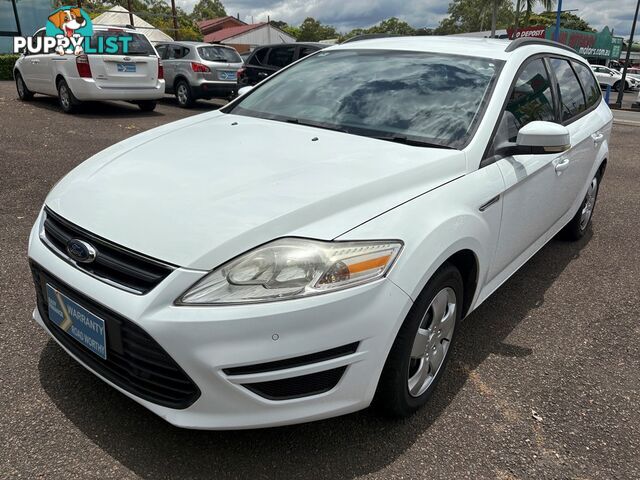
219, 54
138, 45
393, 95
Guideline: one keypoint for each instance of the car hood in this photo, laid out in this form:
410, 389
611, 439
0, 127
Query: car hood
200, 191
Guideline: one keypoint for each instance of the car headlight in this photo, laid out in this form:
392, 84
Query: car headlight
293, 268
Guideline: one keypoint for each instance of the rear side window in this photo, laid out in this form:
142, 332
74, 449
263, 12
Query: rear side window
572, 101
162, 51
281, 56
259, 57
176, 52
304, 51
531, 99
139, 45
589, 84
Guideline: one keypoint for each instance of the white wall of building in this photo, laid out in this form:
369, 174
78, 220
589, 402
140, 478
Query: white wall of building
261, 36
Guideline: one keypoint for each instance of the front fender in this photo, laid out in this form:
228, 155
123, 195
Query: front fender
438, 224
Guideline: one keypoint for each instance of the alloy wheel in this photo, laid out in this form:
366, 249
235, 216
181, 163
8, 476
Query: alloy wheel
64, 97
432, 341
183, 95
20, 85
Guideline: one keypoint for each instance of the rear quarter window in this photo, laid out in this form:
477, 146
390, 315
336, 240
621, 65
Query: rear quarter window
258, 57
589, 83
280, 57
572, 100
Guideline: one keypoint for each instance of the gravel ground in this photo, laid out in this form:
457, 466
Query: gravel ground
543, 383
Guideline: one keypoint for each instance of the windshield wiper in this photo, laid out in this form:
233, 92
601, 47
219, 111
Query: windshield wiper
323, 126
410, 141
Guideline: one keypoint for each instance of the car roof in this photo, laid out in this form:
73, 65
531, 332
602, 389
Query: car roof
457, 45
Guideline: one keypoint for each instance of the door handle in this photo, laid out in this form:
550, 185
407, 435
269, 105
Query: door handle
598, 137
562, 165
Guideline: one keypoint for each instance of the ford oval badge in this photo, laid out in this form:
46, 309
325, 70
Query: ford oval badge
81, 251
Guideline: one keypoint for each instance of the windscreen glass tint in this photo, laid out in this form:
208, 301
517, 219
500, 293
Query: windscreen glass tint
436, 98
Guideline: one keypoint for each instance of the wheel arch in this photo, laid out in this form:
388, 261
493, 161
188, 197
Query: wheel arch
466, 261
179, 77
601, 168
59, 77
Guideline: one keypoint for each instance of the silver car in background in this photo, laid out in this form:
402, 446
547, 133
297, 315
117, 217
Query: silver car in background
196, 70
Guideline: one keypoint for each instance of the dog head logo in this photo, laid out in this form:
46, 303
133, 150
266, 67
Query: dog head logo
69, 21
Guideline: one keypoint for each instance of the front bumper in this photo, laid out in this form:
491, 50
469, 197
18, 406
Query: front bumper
208, 341
86, 89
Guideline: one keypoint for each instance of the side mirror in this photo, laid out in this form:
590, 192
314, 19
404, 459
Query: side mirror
539, 138
244, 90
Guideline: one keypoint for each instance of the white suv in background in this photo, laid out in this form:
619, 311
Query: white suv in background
385, 189
136, 76
607, 76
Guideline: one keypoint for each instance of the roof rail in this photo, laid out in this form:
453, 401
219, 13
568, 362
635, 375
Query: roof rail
524, 41
370, 36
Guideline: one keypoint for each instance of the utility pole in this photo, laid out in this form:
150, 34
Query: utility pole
175, 20
626, 61
556, 34
130, 13
494, 15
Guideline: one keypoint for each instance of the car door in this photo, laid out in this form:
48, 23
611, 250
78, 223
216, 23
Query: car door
604, 75
32, 69
532, 182
580, 91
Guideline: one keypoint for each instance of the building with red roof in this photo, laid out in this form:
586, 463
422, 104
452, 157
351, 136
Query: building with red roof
240, 35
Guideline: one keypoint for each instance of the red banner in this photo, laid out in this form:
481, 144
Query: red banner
536, 32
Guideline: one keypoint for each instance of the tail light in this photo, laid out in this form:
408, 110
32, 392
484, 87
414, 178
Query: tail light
84, 69
199, 68
240, 73
160, 70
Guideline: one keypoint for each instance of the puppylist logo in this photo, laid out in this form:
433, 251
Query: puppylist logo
69, 30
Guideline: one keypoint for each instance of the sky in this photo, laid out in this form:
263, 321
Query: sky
348, 14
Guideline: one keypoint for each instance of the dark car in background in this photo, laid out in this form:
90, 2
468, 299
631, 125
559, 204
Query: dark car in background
268, 59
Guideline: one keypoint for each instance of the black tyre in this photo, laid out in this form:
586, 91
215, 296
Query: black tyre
68, 102
581, 221
420, 352
147, 105
23, 92
184, 95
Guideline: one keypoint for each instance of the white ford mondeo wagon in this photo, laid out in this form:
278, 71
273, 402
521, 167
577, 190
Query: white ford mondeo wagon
385, 189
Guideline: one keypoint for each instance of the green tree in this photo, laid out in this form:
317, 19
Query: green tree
311, 30
293, 31
527, 6
474, 15
567, 20
279, 24
208, 9
156, 12
392, 26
